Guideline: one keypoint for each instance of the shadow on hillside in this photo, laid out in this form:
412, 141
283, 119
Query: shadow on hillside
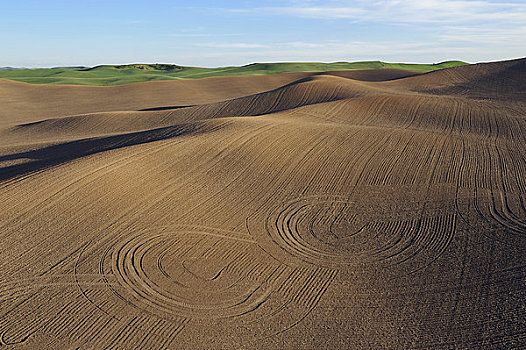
372, 75
64, 152
164, 108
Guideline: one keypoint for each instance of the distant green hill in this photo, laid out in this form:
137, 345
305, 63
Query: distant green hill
133, 73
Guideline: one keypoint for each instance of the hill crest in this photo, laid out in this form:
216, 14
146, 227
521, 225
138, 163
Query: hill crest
106, 75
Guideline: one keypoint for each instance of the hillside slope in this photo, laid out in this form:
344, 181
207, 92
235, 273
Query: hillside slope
336, 210
125, 74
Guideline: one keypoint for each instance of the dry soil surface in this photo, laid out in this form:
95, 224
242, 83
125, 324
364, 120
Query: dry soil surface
378, 209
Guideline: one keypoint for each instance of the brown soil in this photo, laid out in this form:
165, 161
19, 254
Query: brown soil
382, 210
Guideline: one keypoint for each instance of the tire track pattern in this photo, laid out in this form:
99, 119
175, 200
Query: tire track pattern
334, 231
196, 274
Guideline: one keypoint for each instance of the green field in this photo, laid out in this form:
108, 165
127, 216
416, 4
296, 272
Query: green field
124, 74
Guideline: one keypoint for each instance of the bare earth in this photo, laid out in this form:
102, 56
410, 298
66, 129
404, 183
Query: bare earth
297, 211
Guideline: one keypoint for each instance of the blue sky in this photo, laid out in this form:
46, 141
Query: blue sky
219, 33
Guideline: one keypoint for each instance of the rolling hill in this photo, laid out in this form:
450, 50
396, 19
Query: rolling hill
373, 209
124, 74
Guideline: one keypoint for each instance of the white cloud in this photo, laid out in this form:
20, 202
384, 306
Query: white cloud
500, 36
232, 45
302, 44
333, 51
407, 11
201, 35
466, 29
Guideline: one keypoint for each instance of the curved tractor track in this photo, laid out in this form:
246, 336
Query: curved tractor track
376, 209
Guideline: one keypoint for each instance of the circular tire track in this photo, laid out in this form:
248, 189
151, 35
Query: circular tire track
337, 232
194, 272
185, 273
180, 274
